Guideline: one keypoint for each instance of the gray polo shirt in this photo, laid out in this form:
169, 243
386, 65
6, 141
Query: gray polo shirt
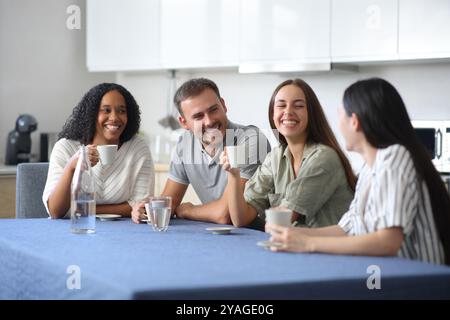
191, 164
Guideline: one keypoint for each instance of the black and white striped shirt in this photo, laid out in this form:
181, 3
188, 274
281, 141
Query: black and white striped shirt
390, 195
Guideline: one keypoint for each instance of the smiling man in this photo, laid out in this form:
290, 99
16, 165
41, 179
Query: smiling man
196, 158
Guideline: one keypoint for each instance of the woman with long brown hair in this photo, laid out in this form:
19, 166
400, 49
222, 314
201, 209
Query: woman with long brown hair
401, 206
307, 173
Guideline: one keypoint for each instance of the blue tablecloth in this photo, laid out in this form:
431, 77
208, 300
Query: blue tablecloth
123, 260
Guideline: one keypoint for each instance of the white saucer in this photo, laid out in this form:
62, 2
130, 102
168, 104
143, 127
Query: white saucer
108, 217
220, 230
267, 244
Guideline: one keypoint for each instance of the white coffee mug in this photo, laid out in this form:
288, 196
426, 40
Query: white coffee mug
107, 153
280, 217
236, 156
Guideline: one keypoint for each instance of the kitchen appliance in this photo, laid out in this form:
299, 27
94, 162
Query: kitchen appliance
435, 136
170, 120
18, 144
47, 141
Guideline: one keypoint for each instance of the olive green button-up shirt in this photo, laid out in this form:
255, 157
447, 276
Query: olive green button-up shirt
320, 193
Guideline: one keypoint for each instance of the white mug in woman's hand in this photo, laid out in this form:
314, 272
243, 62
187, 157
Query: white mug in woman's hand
107, 153
279, 216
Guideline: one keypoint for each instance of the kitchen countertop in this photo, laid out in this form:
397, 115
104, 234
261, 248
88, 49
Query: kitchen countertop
11, 170
8, 170
159, 167
162, 167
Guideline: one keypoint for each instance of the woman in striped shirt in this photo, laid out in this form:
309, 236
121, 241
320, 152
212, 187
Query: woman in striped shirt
401, 206
107, 114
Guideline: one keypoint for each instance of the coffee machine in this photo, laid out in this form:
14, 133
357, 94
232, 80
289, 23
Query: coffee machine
18, 145
47, 141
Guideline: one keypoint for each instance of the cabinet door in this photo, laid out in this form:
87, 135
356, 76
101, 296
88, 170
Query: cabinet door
7, 196
284, 31
122, 35
424, 29
199, 33
364, 30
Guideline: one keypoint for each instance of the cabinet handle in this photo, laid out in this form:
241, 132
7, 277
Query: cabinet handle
439, 140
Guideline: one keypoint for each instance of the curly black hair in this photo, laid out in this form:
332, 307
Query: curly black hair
80, 126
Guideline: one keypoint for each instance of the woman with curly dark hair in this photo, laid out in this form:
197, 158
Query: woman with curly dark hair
107, 114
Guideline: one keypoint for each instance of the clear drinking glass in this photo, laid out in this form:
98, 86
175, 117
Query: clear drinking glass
159, 211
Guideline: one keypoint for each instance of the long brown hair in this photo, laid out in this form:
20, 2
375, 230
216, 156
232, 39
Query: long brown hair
318, 129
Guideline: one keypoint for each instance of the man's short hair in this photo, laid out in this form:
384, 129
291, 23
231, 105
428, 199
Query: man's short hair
192, 88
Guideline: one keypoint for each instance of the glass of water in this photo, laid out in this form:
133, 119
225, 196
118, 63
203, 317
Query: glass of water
159, 212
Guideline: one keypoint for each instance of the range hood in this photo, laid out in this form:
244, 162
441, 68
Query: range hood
290, 67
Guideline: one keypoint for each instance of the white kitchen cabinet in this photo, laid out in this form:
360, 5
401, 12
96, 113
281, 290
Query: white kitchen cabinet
199, 33
364, 30
284, 32
122, 35
424, 29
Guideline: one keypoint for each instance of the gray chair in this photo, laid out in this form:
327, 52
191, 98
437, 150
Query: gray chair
30, 183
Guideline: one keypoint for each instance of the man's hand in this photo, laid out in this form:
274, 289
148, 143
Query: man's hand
182, 210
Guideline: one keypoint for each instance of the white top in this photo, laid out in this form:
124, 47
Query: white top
390, 195
130, 178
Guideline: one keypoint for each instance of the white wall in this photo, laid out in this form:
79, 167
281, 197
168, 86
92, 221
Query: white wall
424, 88
42, 65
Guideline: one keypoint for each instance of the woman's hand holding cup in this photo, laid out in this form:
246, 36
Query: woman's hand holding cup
93, 154
93, 157
138, 212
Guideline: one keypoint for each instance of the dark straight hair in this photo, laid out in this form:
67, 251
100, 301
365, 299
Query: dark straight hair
318, 129
385, 121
